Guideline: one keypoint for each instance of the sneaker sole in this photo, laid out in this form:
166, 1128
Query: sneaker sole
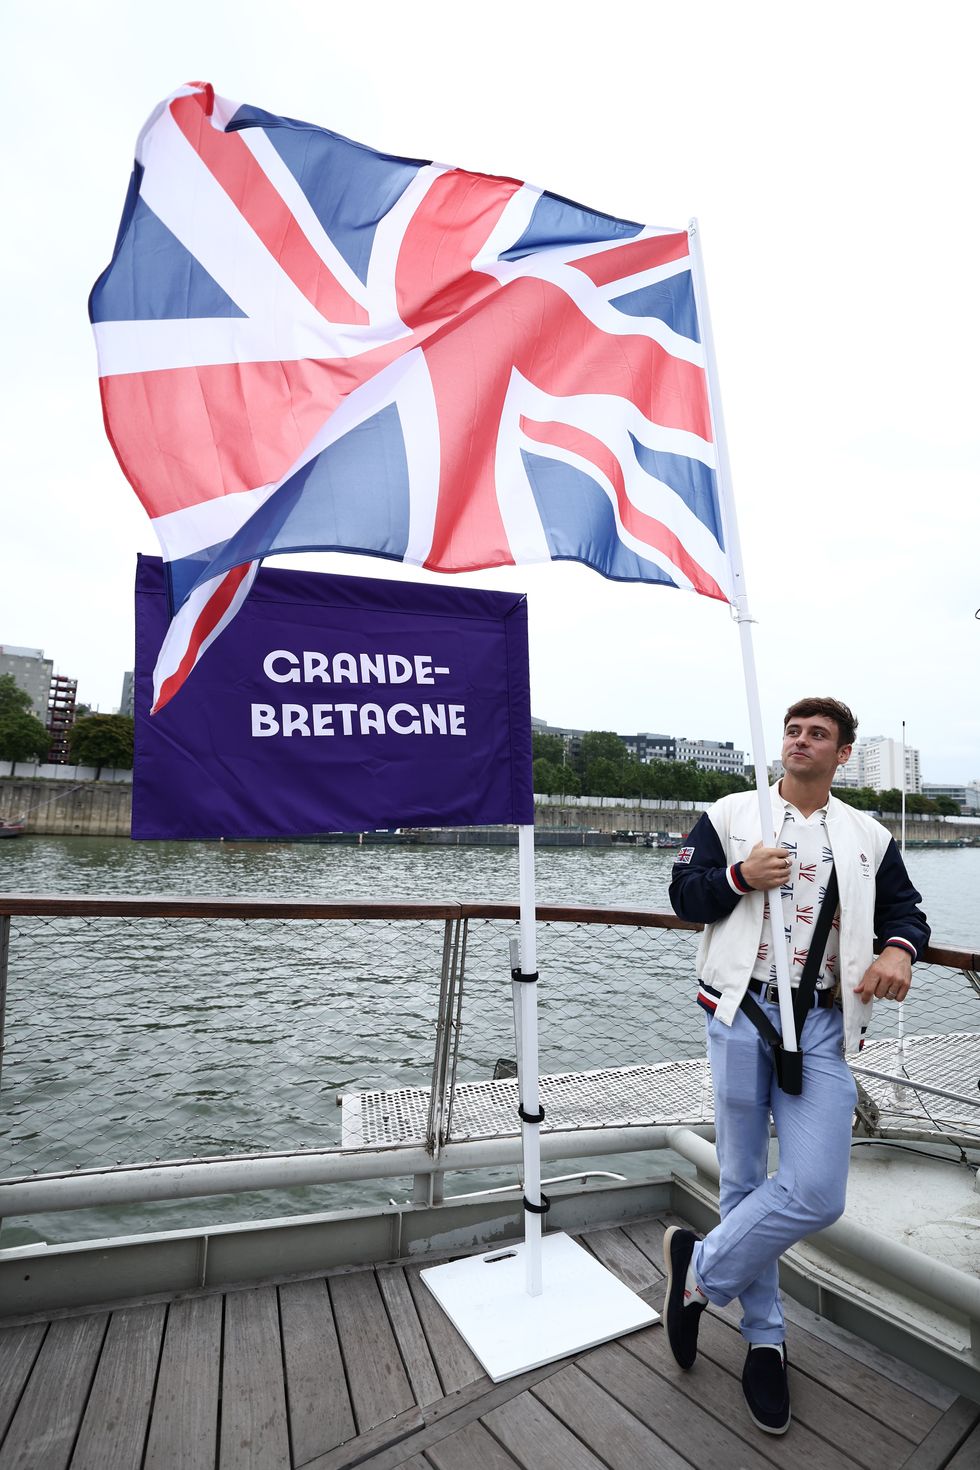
669, 1268
768, 1428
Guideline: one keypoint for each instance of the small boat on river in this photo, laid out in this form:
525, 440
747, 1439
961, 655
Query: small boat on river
14, 828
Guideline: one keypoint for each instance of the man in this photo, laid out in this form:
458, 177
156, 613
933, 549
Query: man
731, 878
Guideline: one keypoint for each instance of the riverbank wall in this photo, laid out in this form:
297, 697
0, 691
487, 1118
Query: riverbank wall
85, 807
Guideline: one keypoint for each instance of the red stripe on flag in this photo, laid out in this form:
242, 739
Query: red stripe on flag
186, 435
208, 619
628, 260
452, 309
645, 528
234, 166
434, 275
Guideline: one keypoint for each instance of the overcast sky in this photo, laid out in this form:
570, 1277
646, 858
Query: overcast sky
830, 155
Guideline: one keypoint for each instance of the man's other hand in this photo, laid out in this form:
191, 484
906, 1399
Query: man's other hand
888, 977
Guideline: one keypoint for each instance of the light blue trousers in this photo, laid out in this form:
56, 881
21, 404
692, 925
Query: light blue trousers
762, 1217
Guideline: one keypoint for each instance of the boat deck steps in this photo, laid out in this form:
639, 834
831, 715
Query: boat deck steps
362, 1368
669, 1093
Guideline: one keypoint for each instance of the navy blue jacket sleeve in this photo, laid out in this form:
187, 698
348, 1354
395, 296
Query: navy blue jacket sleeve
699, 886
897, 912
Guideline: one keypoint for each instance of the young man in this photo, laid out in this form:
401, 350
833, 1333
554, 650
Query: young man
733, 879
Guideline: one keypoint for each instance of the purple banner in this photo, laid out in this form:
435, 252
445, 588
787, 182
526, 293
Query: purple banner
337, 704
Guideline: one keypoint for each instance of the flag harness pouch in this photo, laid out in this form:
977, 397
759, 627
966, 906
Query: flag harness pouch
789, 1064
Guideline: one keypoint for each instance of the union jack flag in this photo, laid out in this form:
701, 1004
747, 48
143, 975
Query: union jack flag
307, 345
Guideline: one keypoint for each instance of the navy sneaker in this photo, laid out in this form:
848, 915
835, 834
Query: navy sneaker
765, 1383
682, 1315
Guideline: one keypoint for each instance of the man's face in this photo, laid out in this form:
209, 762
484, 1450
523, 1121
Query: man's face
810, 749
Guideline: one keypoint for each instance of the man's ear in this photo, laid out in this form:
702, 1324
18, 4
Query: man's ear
844, 754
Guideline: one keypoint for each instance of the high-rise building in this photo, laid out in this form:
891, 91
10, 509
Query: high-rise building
646, 747
61, 717
31, 671
126, 705
877, 762
712, 755
966, 796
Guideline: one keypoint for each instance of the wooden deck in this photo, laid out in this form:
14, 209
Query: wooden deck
362, 1368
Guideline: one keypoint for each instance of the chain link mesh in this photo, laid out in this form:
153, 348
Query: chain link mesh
129, 1040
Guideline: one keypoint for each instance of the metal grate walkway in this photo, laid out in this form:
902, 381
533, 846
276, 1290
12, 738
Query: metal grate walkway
667, 1094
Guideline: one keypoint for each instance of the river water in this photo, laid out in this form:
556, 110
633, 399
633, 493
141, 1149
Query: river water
131, 1040
949, 880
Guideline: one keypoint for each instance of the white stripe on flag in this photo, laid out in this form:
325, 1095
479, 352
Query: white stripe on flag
183, 630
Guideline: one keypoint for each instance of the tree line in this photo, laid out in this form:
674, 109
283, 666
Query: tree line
93, 740
602, 766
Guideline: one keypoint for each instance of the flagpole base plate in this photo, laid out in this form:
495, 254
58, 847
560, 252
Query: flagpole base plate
581, 1304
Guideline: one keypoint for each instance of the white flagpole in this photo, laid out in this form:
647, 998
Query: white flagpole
744, 620
527, 1059
901, 1004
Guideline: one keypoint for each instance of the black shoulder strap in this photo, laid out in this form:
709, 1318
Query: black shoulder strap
803, 995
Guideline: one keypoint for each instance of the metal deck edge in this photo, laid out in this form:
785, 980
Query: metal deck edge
84, 1276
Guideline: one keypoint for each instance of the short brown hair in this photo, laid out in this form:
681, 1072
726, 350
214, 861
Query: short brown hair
831, 709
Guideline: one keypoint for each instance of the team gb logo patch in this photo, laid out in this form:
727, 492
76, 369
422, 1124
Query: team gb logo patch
685, 855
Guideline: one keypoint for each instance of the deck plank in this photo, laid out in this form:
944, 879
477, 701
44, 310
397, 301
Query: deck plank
662, 1407
320, 1413
948, 1436
455, 1363
113, 1432
863, 1379
19, 1347
715, 1385
408, 1331
373, 1447
903, 1376
623, 1258
598, 1419
44, 1427
861, 1385
471, 1448
184, 1419
536, 1439
967, 1457
254, 1434
379, 1387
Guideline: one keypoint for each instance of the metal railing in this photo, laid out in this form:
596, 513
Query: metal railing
163, 1048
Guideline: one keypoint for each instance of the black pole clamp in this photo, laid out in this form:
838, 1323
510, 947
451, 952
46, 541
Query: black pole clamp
537, 1117
523, 979
541, 1209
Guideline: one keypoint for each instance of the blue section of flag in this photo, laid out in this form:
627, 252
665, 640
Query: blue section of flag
580, 525
556, 221
349, 187
351, 497
671, 300
177, 288
695, 482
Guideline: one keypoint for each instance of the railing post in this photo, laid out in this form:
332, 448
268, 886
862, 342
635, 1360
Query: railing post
4, 957
456, 1025
428, 1187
